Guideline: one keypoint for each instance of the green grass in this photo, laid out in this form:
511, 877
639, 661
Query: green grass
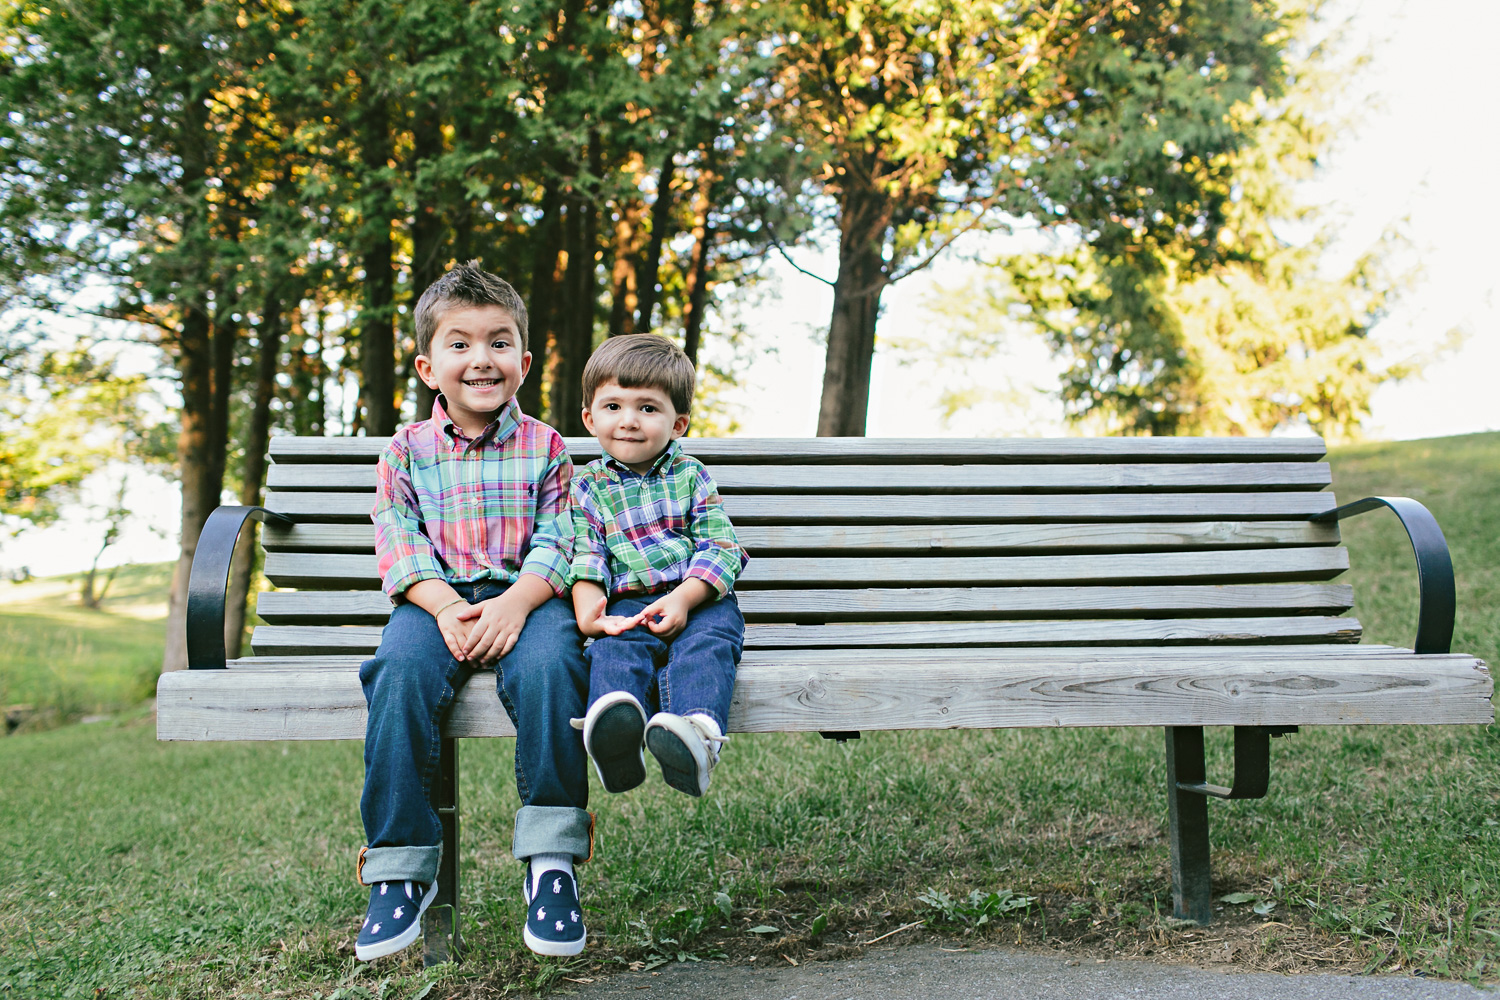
63, 661
184, 869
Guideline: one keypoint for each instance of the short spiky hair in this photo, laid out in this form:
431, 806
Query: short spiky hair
466, 285
641, 360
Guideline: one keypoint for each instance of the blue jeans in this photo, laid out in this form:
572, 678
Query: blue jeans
693, 672
409, 686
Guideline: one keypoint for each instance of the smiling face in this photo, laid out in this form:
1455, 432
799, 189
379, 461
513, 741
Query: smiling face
476, 362
634, 425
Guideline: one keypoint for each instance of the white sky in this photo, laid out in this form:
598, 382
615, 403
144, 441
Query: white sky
1424, 151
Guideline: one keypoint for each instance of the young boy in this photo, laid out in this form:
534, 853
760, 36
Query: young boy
474, 545
654, 562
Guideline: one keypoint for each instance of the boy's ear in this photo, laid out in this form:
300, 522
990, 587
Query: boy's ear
525, 365
588, 420
424, 371
680, 425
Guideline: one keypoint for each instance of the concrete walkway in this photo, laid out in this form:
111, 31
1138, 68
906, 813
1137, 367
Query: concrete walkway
925, 972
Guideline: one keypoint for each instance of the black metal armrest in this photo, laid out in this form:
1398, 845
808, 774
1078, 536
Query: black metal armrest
1436, 601
209, 582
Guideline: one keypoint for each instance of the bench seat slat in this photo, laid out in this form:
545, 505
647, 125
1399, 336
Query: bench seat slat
898, 451
809, 691
298, 569
938, 538
318, 640
903, 509
912, 604
865, 479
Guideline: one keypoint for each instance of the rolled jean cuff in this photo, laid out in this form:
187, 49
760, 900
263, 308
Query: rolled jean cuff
398, 864
553, 830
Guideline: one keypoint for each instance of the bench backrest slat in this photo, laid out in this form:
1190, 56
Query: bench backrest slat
943, 543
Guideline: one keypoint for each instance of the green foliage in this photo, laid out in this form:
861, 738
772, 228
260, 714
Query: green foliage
1223, 327
65, 415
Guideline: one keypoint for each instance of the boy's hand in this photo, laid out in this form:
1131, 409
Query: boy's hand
455, 631
493, 627
668, 614
595, 622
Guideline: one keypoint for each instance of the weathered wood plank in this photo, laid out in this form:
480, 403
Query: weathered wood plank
883, 479
328, 570
788, 539
803, 691
780, 451
746, 509
323, 640
911, 604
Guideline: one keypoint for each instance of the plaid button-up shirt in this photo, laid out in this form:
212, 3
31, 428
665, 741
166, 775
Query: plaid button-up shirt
640, 534
450, 507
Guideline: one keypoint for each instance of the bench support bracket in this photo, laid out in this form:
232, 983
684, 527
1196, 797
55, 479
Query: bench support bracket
440, 938
1188, 792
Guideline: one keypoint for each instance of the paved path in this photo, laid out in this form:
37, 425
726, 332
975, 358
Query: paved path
924, 972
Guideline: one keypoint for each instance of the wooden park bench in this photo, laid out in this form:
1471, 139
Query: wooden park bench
914, 584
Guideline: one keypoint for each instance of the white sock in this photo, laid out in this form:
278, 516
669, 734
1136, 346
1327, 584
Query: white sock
708, 723
543, 863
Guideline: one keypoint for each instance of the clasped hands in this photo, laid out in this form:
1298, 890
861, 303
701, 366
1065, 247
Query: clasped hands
666, 616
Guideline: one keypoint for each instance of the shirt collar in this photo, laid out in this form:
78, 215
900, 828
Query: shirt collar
496, 432
616, 468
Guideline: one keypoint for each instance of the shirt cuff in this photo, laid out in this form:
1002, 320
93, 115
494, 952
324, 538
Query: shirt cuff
407, 574
548, 565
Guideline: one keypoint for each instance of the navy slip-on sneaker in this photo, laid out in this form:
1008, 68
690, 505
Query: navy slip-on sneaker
394, 918
554, 917
614, 730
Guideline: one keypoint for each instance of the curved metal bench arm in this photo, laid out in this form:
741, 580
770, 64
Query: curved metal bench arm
1436, 602
209, 582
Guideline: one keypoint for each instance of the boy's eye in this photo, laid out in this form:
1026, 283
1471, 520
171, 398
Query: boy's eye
457, 345
648, 408
500, 345
611, 406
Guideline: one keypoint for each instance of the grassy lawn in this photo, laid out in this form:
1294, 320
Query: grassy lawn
176, 870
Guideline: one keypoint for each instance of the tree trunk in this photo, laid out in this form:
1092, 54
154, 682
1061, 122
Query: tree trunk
624, 279
256, 440
544, 282
377, 340
661, 221
697, 279
427, 243
575, 339
865, 216
200, 491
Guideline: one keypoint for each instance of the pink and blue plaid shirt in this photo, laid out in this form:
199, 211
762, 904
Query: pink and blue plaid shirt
450, 507
641, 534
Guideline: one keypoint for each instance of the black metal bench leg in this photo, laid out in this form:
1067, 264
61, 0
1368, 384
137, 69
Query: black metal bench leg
1187, 814
440, 937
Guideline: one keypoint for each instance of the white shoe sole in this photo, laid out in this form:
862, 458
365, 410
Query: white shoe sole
679, 748
617, 724
401, 941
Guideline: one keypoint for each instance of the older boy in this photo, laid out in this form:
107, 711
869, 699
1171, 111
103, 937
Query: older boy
474, 544
654, 562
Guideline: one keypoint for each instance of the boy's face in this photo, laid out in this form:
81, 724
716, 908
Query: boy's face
476, 362
634, 425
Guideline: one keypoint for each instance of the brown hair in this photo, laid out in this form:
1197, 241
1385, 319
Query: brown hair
466, 285
637, 360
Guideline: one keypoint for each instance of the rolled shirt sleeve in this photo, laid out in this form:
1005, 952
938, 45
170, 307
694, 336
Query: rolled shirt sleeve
718, 557
590, 551
407, 555
551, 553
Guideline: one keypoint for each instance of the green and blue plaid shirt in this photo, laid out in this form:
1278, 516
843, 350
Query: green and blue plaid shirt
641, 534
